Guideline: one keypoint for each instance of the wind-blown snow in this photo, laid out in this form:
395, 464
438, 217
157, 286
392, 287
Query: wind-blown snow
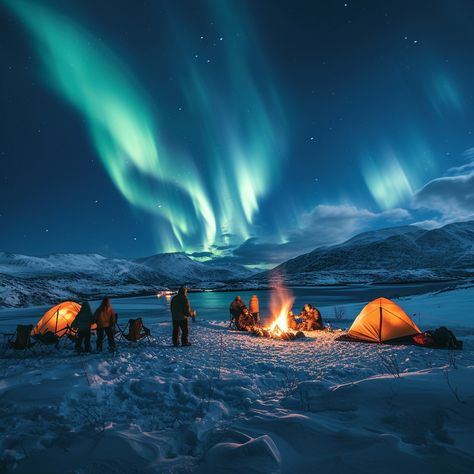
237, 403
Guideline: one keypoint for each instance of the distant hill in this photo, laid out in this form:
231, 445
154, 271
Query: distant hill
27, 280
182, 268
396, 254
404, 253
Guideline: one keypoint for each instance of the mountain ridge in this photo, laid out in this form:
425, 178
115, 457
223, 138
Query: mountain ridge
444, 252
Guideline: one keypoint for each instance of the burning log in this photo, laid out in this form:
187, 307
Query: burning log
278, 334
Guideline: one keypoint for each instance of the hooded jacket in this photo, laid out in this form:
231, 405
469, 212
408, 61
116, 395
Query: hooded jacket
104, 316
84, 318
253, 305
180, 308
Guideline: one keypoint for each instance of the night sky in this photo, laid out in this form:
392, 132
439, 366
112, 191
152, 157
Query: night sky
251, 131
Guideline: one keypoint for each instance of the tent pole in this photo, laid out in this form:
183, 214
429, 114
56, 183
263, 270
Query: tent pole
56, 326
380, 323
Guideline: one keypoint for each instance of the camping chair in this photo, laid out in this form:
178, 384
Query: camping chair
47, 339
67, 335
134, 331
20, 340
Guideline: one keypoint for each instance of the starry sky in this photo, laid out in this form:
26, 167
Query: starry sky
246, 131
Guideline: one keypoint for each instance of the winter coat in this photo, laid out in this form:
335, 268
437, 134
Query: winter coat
245, 321
236, 308
104, 317
180, 307
84, 318
253, 306
312, 320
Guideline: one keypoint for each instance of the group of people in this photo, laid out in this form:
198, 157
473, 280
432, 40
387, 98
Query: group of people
105, 318
309, 319
245, 319
242, 317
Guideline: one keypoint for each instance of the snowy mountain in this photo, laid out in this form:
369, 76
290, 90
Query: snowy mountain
182, 268
404, 253
27, 280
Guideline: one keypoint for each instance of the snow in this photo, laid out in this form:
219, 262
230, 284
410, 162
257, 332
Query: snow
236, 403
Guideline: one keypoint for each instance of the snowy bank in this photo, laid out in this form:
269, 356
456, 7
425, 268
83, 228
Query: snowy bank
237, 403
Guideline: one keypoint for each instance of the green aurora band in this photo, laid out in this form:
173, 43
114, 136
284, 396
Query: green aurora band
243, 150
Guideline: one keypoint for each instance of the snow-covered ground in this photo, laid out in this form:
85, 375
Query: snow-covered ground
236, 403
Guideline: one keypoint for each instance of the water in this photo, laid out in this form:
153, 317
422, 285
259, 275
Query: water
215, 305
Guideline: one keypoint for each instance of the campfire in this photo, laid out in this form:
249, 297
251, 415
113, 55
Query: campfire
281, 303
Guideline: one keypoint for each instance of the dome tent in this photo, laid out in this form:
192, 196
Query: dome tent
382, 320
58, 319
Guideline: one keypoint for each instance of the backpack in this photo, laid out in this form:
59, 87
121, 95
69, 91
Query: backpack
445, 338
424, 339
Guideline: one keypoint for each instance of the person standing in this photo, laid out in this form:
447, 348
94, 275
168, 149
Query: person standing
254, 309
105, 318
180, 312
83, 322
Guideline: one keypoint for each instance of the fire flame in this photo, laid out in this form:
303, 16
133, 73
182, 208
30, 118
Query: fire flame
281, 302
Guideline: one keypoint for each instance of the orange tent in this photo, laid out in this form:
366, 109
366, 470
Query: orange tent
382, 320
58, 319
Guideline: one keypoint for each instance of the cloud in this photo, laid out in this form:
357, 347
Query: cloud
324, 225
451, 196
201, 254
329, 224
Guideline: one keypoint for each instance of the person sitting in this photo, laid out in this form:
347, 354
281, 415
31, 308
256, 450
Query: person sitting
105, 318
291, 321
246, 321
236, 308
254, 309
311, 318
83, 323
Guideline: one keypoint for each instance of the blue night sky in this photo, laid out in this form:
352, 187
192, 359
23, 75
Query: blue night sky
252, 131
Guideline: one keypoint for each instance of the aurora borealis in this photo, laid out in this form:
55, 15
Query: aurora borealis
240, 130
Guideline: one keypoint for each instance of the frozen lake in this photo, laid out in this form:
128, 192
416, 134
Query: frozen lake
215, 305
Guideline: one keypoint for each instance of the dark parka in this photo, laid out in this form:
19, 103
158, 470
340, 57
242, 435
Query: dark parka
180, 307
84, 318
236, 308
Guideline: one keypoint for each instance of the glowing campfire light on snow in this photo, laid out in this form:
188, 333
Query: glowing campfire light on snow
281, 302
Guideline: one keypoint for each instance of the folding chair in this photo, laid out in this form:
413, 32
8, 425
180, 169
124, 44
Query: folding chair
20, 340
47, 339
134, 331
